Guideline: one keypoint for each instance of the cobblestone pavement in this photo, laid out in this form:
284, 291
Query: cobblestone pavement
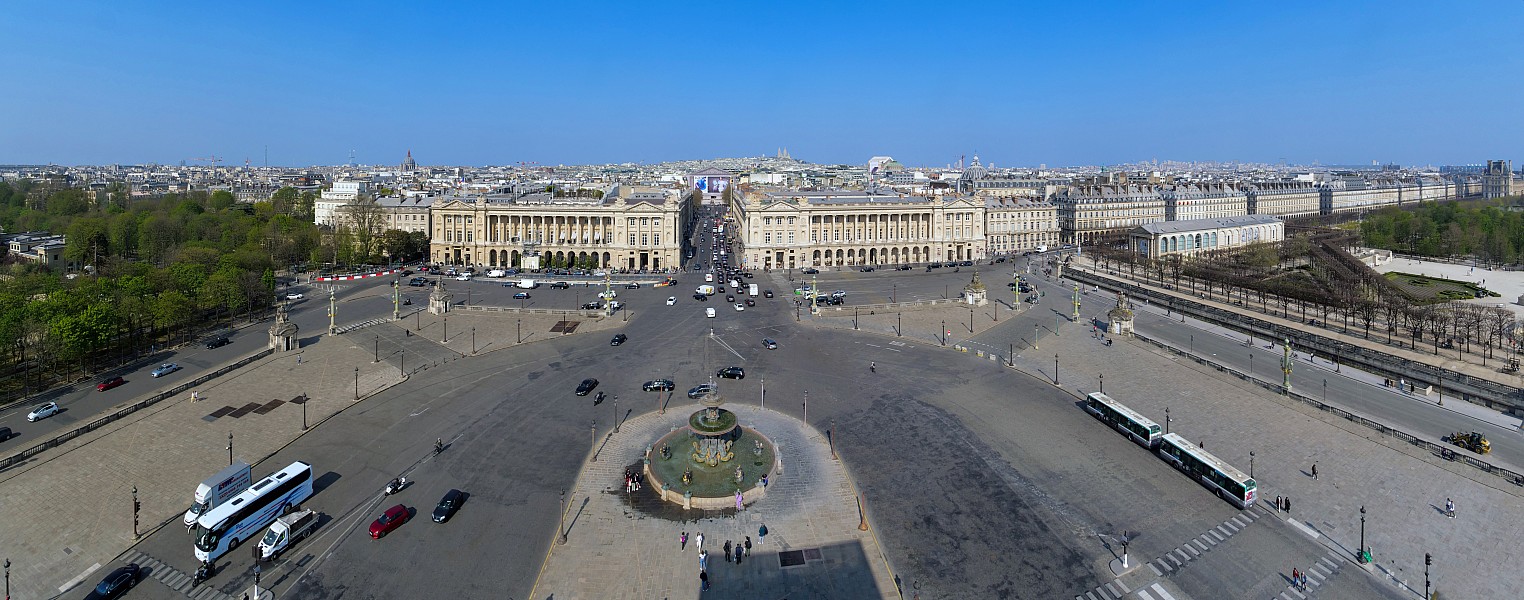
1401, 489
626, 546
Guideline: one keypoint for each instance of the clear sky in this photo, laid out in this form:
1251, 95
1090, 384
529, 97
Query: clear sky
476, 83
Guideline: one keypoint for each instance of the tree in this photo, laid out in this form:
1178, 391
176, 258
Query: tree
87, 240
221, 200
396, 244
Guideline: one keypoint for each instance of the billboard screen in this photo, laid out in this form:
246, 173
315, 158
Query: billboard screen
712, 185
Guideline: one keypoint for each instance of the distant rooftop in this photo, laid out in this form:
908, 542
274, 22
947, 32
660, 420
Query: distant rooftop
1205, 224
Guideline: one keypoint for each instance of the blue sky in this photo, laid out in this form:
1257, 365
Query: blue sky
834, 82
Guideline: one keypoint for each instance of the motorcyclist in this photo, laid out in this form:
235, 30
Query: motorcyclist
873, 366
394, 485
438, 445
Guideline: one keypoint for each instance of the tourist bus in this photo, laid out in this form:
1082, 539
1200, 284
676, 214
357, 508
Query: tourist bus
1221, 477
1143, 431
247, 515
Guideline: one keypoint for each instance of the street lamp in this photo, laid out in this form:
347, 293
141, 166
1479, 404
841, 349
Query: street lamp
1251, 464
304, 412
616, 413
1055, 369
378, 348
8, 578
473, 340
519, 331
1103, 390
561, 525
1325, 391
1362, 555
230, 448
446, 339
135, 508
944, 333
1167, 420
357, 383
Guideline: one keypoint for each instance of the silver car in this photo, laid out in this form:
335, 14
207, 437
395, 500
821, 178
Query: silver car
42, 411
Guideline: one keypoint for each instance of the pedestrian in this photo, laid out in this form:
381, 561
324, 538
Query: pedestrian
762, 535
682, 541
738, 499
1450, 508
727, 550
698, 542
739, 552
1277, 504
1288, 504
704, 560
1314, 471
1296, 577
748, 545
764, 481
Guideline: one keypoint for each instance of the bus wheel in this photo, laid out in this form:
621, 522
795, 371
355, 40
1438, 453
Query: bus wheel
232, 545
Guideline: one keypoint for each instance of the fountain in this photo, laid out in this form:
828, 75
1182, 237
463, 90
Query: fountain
706, 464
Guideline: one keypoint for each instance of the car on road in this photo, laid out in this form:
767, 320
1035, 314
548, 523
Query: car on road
586, 386
109, 383
217, 342
966, 263
619, 339
295, 296
671, 300
560, 285
591, 306
700, 297
700, 390
448, 505
658, 385
42, 411
731, 373
417, 282
709, 312
810, 271
633, 285
767, 293
463, 277
115, 583
770, 343
389, 521
866, 269
904, 268
730, 298
740, 307
406, 272
720, 289
165, 369
521, 296
750, 302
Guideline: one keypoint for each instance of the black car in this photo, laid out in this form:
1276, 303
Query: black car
448, 505
701, 390
966, 263
591, 306
746, 275
731, 373
729, 298
217, 342
933, 266
632, 286
658, 385
767, 293
586, 386
950, 264
810, 271
719, 288
406, 272
750, 302
903, 268
866, 269
560, 285
116, 583
618, 340
700, 297
1000, 260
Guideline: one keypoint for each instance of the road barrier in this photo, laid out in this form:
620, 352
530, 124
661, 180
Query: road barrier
23, 455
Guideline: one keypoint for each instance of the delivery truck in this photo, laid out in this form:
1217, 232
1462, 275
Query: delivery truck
217, 489
752, 289
286, 531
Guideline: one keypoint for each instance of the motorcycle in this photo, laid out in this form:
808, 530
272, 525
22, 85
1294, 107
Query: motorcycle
203, 573
598, 399
395, 485
407, 302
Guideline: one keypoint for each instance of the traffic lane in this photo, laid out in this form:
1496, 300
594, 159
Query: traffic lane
85, 403
1256, 562
1413, 413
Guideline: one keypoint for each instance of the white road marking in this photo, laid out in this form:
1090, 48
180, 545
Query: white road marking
73, 582
1160, 591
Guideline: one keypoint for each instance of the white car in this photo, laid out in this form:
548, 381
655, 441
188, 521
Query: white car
709, 312
740, 306
463, 277
671, 300
294, 296
607, 295
42, 411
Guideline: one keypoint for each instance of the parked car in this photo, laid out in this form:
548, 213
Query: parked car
116, 583
904, 268
521, 296
42, 411
586, 386
700, 390
966, 263
619, 339
810, 271
866, 269
217, 342
731, 373
658, 385
165, 369
448, 505
560, 285
389, 521
109, 383
769, 343
294, 296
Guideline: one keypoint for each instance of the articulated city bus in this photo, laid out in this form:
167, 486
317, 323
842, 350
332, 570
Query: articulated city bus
245, 516
1138, 427
1219, 476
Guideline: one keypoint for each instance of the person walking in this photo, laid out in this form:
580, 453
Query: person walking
1277, 504
727, 550
682, 541
739, 552
1288, 504
762, 535
703, 560
748, 545
1296, 577
1449, 508
698, 542
703, 580
1314, 471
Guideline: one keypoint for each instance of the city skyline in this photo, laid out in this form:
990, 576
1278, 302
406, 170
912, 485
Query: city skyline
1404, 83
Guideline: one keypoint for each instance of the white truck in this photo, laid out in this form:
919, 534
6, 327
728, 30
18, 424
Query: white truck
707, 290
528, 284
217, 489
286, 531
752, 289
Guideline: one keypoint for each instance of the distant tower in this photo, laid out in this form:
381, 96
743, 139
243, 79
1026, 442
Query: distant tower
408, 164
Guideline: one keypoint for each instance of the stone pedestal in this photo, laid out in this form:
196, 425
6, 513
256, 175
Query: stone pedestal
440, 299
283, 333
975, 294
1119, 319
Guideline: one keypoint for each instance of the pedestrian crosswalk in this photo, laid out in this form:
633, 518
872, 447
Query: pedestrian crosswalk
363, 324
175, 579
1177, 559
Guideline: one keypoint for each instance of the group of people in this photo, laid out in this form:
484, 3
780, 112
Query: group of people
734, 551
1299, 578
633, 480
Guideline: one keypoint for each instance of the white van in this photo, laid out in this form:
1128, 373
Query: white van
709, 278
497, 273
709, 312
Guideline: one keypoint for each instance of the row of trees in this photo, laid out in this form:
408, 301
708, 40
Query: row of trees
1481, 228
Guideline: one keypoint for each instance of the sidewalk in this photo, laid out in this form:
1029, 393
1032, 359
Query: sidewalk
78, 497
619, 549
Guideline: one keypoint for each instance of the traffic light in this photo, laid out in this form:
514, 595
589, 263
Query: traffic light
1428, 559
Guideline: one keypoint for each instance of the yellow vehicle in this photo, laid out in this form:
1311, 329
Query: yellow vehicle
1473, 441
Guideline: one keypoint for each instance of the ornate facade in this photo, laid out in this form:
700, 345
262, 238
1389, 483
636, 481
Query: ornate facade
791, 229
1015, 224
1188, 238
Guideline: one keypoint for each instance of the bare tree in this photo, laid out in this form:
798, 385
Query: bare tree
366, 221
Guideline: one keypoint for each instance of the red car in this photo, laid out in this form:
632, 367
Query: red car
109, 383
393, 518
